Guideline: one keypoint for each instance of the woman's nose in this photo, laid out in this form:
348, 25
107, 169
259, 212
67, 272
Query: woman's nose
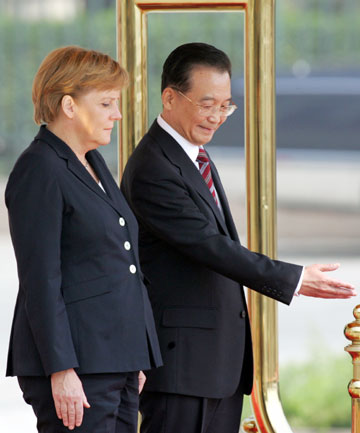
116, 113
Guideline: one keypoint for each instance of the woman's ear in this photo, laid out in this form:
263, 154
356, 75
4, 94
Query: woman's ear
68, 106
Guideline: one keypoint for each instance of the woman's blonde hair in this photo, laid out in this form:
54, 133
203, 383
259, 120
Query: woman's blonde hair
72, 71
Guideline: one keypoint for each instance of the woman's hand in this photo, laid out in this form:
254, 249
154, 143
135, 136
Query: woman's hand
142, 380
69, 397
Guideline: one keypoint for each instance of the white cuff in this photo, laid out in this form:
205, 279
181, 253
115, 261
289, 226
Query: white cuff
296, 293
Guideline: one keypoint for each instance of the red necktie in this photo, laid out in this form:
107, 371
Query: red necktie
204, 168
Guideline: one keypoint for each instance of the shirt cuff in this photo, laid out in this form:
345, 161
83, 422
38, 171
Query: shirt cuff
296, 293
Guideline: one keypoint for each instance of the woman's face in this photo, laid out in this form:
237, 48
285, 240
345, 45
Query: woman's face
95, 115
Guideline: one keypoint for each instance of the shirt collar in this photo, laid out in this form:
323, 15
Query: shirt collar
191, 150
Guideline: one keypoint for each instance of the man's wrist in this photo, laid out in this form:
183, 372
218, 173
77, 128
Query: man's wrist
298, 287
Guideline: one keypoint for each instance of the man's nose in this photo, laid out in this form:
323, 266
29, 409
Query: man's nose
216, 116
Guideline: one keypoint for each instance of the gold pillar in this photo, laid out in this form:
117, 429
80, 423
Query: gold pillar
132, 50
260, 157
352, 333
261, 196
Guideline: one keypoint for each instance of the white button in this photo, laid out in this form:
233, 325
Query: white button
121, 221
127, 245
132, 269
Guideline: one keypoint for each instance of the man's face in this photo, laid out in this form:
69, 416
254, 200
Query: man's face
208, 87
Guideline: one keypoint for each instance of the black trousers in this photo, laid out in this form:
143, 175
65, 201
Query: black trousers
113, 399
173, 413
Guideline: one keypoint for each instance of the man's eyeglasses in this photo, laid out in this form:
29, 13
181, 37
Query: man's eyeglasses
208, 110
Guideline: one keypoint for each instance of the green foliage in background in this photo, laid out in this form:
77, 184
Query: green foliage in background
323, 33
314, 393
23, 45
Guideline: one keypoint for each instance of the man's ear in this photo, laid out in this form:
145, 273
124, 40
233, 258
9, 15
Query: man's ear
68, 106
168, 98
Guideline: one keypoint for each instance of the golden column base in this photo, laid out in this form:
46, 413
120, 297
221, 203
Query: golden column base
352, 333
249, 425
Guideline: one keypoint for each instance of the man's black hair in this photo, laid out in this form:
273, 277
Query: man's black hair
180, 62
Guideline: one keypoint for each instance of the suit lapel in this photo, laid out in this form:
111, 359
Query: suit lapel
101, 171
188, 170
75, 166
82, 174
113, 194
224, 202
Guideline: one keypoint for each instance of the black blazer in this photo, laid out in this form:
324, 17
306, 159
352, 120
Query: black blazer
82, 303
191, 255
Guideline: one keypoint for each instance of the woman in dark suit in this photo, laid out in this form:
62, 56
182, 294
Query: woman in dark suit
83, 326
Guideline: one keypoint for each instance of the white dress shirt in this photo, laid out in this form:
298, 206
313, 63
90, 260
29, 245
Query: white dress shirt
101, 186
191, 150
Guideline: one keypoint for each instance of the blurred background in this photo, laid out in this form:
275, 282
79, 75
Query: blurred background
318, 174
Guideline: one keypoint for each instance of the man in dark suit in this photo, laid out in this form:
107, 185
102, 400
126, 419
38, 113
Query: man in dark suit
193, 260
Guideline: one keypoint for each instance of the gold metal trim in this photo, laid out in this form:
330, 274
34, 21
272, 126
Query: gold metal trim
261, 197
199, 4
352, 333
132, 54
260, 157
132, 50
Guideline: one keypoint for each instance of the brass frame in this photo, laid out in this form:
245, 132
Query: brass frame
260, 157
352, 333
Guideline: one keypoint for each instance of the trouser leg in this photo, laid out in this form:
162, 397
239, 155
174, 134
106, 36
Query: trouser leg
173, 413
113, 399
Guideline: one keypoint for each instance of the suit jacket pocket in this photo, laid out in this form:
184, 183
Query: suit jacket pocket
189, 317
86, 289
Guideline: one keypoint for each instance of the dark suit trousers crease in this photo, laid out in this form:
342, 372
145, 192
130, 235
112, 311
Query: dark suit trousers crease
174, 413
113, 398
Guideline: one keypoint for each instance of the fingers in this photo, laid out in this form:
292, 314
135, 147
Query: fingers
65, 414
328, 289
316, 283
71, 412
341, 285
336, 294
86, 403
73, 417
142, 380
329, 293
58, 408
69, 398
79, 413
328, 267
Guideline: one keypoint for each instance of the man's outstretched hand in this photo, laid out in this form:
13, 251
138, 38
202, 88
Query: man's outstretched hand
316, 283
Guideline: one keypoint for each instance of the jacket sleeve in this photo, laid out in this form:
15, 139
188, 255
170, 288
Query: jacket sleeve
163, 203
35, 206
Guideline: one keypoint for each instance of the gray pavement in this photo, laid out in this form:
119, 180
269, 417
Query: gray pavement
318, 221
